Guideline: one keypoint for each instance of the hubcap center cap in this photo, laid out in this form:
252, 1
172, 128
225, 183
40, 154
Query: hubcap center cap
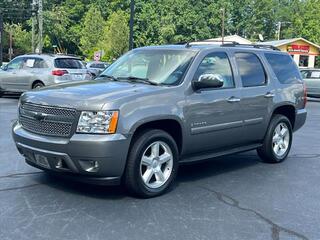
154, 164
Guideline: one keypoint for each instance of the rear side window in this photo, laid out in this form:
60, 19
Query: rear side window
284, 68
70, 63
251, 70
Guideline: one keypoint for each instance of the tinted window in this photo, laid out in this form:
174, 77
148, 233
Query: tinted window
216, 63
34, 63
70, 63
15, 63
98, 65
283, 67
251, 70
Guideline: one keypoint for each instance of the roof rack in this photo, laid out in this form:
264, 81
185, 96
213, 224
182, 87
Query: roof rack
230, 44
208, 42
261, 46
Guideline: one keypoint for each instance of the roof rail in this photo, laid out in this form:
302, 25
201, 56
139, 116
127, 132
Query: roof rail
208, 42
261, 46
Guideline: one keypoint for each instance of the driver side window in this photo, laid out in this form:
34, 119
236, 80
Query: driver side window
217, 63
15, 64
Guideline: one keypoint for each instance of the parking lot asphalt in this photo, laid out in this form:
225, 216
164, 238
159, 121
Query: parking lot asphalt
232, 197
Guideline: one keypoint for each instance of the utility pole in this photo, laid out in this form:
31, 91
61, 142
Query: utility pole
40, 19
279, 30
131, 24
10, 44
222, 24
1, 37
33, 6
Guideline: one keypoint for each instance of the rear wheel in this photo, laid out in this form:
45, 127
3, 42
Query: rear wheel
152, 164
277, 143
38, 85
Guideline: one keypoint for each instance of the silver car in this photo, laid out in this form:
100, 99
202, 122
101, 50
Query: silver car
95, 68
311, 78
34, 71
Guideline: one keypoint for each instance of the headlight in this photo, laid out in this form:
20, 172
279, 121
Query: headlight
98, 122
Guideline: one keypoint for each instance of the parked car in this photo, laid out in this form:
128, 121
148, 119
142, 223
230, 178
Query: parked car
95, 68
311, 77
158, 107
37, 70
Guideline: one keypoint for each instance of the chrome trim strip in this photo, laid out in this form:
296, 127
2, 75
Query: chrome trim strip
253, 121
216, 127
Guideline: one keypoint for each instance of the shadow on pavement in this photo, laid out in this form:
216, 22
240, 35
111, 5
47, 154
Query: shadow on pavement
187, 173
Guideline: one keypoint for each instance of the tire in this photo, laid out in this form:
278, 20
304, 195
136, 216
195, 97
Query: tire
145, 144
277, 144
38, 85
1, 94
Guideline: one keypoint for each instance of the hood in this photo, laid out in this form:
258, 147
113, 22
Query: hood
87, 95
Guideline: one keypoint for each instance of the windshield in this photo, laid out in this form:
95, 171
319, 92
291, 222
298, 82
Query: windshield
158, 66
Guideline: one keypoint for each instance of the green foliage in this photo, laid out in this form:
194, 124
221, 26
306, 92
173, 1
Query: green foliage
115, 35
22, 38
84, 26
92, 31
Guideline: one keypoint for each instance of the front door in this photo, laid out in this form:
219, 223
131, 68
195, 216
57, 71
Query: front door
12, 75
213, 116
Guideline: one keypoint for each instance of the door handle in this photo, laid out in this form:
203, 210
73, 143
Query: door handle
233, 99
269, 95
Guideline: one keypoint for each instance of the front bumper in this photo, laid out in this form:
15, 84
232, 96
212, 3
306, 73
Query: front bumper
70, 157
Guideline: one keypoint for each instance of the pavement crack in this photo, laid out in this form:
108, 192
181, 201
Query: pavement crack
18, 188
275, 228
19, 174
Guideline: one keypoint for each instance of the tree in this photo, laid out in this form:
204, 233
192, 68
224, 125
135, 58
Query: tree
21, 38
92, 31
116, 35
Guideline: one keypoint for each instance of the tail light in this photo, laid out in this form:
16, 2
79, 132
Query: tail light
59, 72
304, 95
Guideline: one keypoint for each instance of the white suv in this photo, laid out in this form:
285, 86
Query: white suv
34, 71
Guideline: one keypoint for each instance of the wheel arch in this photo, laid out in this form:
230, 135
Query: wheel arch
170, 125
287, 110
35, 82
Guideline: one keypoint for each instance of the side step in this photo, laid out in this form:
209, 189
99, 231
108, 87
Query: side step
208, 155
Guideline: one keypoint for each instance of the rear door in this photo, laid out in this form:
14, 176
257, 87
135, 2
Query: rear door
214, 115
73, 68
257, 93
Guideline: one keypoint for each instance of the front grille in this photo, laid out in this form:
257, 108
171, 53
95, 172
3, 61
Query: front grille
47, 120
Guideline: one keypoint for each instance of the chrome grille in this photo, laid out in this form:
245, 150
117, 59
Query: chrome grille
47, 120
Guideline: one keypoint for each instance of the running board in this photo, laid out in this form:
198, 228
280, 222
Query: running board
208, 155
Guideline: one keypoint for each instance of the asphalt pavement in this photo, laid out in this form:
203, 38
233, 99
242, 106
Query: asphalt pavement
231, 197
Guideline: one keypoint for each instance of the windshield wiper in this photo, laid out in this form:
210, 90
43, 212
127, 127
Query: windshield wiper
108, 76
137, 79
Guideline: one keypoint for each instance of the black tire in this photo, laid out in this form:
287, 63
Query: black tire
38, 85
1, 94
133, 180
266, 152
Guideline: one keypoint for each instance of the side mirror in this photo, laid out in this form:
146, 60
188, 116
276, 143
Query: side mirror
4, 67
208, 81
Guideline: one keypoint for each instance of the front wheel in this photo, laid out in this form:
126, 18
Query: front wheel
152, 164
38, 85
277, 143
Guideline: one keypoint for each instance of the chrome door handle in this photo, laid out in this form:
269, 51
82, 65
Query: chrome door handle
269, 95
233, 99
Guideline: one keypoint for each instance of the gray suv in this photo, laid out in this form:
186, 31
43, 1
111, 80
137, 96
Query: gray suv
158, 107
37, 70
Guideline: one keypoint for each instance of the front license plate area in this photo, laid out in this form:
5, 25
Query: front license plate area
42, 161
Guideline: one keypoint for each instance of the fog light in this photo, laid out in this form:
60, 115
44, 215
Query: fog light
89, 165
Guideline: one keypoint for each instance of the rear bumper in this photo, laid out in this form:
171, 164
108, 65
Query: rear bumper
301, 116
98, 159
